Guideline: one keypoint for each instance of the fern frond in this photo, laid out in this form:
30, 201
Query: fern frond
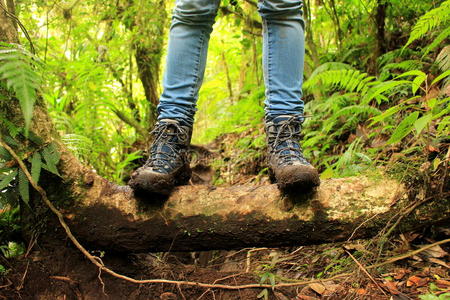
396, 56
329, 66
358, 110
376, 91
437, 41
17, 68
350, 80
431, 20
406, 65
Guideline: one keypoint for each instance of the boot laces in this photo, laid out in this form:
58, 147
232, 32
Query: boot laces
167, 147
285, 143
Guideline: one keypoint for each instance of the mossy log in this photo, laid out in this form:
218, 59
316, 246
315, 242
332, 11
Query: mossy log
205, 217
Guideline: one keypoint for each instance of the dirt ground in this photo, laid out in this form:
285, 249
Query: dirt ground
54, 269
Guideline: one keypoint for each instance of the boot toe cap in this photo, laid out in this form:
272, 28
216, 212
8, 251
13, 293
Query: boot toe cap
147, 180
297, 176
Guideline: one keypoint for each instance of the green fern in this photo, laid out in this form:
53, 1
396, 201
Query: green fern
24, 187
406, 65
51, 157
350, 80
437, 41
431, 20
36, 165
17, 68
404, 128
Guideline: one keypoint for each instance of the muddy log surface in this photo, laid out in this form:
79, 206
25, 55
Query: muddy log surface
205, 218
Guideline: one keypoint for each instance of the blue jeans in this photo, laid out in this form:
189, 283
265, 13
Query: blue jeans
283, 56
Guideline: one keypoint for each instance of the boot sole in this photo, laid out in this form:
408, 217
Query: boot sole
162, 184
304, 182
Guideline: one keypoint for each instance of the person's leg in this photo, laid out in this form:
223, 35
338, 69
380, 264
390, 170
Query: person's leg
283, 58
283, 55
168, 162
191, 26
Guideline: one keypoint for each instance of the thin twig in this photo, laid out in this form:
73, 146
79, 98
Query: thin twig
409, 254
6, 285
366, 272
63, 278
360, 225
181, 292
20, 286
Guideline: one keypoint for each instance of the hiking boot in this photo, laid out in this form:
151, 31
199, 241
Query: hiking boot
168, 164
287, 165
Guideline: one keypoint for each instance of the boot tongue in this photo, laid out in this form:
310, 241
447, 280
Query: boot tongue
288, 136
171, 129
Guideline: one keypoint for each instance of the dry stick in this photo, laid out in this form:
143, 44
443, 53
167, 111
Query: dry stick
62, 278
366, 272
101, 266
409, 254
360, 225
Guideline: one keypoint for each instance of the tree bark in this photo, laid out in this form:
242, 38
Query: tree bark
8, 26
380, 20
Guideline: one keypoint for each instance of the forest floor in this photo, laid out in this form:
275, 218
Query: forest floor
52, 268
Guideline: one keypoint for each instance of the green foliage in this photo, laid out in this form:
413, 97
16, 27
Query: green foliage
18, 69
12, 249
3, 270
13, 179
24, 187
431, 20
443, 296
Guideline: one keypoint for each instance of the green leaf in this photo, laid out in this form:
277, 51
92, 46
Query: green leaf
51, 158
264, 294
17, 69
380, 88
429, 21
404, 128
36, 164
417, 82
4, 154
423, 121
7, 179
440, 77
24, 187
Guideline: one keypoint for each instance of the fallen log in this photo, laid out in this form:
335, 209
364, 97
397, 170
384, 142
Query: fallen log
204, 217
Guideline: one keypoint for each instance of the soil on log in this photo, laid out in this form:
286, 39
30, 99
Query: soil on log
206, 218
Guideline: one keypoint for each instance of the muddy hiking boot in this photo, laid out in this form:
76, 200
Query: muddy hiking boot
168, 162
287, 165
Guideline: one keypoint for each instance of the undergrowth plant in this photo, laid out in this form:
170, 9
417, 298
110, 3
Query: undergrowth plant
18, 74
406, 106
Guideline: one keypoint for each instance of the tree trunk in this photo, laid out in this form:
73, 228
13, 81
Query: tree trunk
148, 44
380, 20
8, 26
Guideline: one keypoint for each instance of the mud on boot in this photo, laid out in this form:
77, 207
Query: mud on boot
287, 165
168, 164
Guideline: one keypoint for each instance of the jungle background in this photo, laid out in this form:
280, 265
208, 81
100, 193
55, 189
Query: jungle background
377, 95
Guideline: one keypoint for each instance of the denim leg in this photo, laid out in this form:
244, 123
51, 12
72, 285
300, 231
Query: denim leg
283, 56
191, 27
